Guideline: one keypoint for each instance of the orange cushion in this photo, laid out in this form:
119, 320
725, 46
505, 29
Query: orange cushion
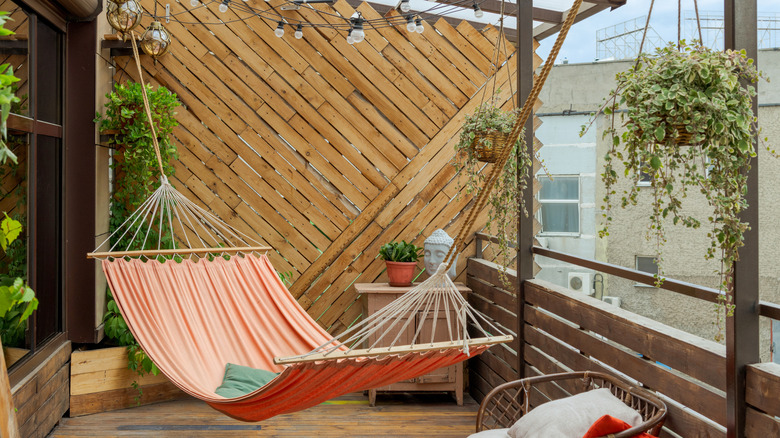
607, 425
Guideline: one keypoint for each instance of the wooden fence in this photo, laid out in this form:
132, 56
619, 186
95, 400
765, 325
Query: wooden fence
325, 150
565, 331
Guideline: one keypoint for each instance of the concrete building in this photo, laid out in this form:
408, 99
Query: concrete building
574, 91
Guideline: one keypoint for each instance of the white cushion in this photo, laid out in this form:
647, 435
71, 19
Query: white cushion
493, 433
572, 416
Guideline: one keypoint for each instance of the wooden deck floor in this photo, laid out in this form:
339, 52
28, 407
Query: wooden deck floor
395, 415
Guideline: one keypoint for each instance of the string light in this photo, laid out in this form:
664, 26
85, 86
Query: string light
410, 26
478, 11
124, 15
358, 34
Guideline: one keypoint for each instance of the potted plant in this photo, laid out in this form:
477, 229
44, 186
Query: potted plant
400, 259
688, 124
477, 142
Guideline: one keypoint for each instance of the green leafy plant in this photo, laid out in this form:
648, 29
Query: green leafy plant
400, 252
7, 95
17, 299
506, 198
136, 177
688, 125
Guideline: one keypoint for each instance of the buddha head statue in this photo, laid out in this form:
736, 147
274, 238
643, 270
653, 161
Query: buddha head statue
437, 245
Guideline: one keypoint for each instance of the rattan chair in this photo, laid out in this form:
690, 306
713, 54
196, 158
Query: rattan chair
505, 404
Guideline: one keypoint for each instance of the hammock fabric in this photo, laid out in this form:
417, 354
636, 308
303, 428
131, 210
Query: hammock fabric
193, 317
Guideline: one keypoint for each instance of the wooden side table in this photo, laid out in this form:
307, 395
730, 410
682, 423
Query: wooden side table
375, 296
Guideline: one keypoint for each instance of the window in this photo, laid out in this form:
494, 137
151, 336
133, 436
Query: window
559, 197
646, 264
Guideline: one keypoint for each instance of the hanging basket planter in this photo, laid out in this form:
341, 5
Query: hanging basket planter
488, 145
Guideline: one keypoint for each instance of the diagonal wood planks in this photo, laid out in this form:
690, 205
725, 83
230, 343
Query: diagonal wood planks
325, 150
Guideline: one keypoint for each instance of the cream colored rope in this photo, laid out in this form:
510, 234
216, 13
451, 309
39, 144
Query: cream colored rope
146, 105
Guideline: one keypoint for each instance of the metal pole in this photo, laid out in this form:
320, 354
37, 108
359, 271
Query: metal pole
742, 332
525, 226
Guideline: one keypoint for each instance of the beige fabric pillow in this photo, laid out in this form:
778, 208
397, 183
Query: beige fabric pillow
492, 433
572, 416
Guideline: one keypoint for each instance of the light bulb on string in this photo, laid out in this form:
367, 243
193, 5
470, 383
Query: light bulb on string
299, 32
124, 17
223, 7
358, 34
405, 6
410, 26
418, 26
350, 39
194, 3
279, 30
478, 11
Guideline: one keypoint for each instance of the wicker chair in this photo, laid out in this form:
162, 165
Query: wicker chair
505, 404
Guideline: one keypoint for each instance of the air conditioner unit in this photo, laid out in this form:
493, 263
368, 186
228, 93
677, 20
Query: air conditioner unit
581, 282
615, 301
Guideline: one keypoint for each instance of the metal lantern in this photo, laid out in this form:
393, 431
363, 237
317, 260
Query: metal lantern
125, 16
156, 40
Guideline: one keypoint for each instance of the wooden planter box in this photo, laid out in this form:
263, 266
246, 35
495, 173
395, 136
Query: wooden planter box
100, 381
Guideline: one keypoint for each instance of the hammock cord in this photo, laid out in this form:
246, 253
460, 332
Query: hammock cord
147, 107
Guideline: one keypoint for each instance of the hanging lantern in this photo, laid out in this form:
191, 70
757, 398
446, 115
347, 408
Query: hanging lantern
125, 16
156, 40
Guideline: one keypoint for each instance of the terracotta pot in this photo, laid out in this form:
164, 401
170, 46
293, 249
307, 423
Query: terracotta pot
400, 273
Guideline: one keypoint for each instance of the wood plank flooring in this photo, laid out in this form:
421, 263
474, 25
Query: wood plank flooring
395, 415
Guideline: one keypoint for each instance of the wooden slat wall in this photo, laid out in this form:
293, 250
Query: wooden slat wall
567, 331
325, 150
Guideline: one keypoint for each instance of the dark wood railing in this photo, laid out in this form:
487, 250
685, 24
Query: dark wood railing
563, 330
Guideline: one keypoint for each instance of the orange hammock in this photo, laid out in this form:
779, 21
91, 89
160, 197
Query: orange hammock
193, 317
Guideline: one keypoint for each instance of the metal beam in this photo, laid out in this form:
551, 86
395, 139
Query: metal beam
742, 330
525, 226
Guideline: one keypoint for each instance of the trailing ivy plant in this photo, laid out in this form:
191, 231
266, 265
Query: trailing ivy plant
136, 174
689, 125
506, 198
17, 299
7, 95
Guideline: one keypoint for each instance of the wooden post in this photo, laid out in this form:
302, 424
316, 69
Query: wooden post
525, 226
742, 333
8, 426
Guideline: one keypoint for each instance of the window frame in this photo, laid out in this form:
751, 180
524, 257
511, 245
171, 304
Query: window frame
578, 202
636, 266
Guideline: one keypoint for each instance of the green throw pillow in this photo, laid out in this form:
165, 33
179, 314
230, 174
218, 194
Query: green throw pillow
240, 380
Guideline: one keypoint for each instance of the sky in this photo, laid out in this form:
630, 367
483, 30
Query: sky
581, 46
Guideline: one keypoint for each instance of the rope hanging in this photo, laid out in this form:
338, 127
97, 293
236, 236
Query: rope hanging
522, 118
168, 209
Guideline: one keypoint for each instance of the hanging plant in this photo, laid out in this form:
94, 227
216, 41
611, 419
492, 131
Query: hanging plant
688, 124
505, 200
